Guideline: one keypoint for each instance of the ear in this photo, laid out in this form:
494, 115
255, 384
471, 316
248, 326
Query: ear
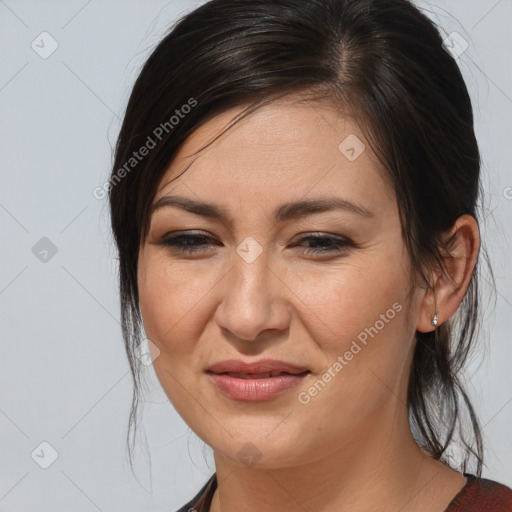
449, 285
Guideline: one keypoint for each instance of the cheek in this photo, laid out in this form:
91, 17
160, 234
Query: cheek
345, 300
172, 302
358, 316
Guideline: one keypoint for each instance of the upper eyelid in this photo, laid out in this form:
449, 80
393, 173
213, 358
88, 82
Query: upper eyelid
317, 234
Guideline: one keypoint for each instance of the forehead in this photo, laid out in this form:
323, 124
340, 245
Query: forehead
288, 148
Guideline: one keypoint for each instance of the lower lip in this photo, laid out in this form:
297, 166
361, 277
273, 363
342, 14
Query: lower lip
255, 390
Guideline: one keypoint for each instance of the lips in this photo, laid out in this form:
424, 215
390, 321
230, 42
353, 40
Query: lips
262, 367
256, 375
252, 382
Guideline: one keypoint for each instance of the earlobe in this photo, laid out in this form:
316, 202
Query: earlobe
461, 245
428, 318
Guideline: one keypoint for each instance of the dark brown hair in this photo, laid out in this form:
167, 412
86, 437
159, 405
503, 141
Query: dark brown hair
382, 60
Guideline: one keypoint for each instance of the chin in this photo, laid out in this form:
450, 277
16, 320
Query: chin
258, 445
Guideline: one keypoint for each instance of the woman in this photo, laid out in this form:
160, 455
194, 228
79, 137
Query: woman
294, 200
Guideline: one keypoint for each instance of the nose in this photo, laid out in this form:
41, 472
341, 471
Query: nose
254, 300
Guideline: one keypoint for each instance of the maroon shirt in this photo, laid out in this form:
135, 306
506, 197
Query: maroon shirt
478, 495
482, 495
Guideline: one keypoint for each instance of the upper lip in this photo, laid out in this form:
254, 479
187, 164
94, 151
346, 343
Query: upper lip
261, 366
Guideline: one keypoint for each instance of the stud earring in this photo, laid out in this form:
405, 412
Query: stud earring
434, 320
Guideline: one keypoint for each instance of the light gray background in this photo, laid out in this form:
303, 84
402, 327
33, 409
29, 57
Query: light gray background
63, 372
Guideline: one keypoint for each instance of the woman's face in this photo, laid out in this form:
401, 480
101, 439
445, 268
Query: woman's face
283, 242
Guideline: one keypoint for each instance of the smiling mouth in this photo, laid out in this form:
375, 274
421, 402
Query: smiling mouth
256, 387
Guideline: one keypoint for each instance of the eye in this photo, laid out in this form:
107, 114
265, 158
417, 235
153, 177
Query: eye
188, 243
197, 243
323, 244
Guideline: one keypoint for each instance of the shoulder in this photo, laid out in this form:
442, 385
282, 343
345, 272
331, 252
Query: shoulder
201, 502
482, 495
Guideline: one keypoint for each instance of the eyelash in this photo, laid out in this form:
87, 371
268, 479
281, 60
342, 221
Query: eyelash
182, 244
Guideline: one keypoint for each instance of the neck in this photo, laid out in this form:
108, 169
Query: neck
379, 469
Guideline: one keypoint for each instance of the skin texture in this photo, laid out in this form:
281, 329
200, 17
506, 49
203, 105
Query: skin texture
350, 446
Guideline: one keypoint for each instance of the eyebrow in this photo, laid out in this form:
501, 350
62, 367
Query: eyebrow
287, 211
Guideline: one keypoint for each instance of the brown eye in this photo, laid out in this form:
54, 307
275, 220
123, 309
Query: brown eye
321, 244
188, 242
